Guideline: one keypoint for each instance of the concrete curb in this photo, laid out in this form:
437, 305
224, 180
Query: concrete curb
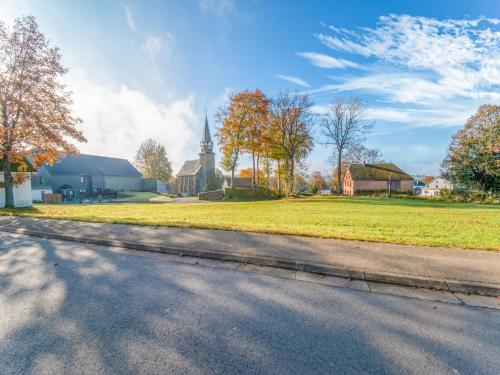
450, 285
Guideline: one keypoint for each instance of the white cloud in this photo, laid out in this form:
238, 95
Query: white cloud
295, 80
159, 47
324, 61
117, 119
130, 19
433, 71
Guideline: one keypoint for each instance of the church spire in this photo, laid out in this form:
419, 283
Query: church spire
206, 140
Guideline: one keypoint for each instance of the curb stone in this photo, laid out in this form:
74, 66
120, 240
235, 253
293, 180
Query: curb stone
450, 285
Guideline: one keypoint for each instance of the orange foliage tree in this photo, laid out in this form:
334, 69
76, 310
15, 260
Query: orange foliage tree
35, 108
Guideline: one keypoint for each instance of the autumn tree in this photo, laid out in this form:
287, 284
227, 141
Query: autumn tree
151, 159
233, 123
289, 135
317, 182
343, 126
35, 107
473, 155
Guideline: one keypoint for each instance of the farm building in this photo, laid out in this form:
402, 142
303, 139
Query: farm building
88, 174
376, 177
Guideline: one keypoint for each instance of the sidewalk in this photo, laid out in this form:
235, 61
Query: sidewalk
456, 270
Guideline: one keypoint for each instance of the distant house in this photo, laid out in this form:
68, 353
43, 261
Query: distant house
22, 193
376, 177
434, 187
74, 175
239, 182
192, 177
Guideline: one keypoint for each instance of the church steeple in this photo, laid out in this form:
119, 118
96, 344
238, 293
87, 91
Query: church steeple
206, 140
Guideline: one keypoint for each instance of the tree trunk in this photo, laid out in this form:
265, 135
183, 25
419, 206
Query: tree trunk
339, 173
253, 169
232, 177
291, 177
258, 169
7, 177
279, 176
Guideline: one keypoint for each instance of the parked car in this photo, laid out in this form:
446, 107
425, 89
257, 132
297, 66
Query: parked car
109, 193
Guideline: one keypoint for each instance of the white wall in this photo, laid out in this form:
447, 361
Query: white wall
36, 194
22, 194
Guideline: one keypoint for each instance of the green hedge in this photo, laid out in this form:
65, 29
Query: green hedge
250, 194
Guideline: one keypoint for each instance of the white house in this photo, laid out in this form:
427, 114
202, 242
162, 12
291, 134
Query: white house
22, 193
433, 188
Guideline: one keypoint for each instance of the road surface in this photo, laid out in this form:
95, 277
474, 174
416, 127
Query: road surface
69, 308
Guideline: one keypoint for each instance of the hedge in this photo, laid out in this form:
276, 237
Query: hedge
260, 193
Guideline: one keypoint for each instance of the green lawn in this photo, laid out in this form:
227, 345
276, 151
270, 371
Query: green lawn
141, 197
404, 221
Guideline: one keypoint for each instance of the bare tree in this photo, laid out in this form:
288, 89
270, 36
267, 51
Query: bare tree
343, 126
358, 153
290, 132
35, 108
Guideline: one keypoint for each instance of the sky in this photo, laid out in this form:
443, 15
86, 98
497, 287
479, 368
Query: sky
141, 69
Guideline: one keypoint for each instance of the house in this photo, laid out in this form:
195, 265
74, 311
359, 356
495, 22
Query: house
192, 177
22, 192
40, 185
376, 177
434, 187
85, 174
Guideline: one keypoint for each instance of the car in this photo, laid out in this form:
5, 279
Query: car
109, 193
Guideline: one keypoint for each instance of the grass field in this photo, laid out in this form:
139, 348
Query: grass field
406, 221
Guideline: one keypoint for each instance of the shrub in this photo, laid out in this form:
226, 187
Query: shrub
251, 194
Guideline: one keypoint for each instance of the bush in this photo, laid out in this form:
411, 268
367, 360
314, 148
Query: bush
251, 194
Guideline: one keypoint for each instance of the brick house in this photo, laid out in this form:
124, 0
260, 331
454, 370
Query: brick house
376, 177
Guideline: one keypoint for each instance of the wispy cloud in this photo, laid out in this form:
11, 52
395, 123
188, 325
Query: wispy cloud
325, 61
219, 8
431, 70
130, 19
295, 80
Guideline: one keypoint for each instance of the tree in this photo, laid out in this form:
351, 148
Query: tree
472, 158
35, 108
257, 121
342, 127
214, 181
151, 159
317, 182
289, 135
234, 121
358, 153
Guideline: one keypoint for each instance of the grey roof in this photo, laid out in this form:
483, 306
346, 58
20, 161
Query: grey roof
83, 164
206, 138
190, 168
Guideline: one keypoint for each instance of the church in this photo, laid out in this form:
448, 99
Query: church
192, 177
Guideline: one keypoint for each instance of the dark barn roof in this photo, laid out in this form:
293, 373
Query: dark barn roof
378, 172
190, 168
83, 164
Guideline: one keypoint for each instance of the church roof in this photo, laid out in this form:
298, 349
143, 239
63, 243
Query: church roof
190, 168
206, 138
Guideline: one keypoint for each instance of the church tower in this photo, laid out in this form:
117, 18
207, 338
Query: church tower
207, 156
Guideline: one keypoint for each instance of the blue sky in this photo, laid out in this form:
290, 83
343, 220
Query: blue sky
143, 69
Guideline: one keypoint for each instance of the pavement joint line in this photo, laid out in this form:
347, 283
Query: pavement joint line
311, 267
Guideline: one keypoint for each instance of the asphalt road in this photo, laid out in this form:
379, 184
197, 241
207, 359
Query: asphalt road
74, 309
